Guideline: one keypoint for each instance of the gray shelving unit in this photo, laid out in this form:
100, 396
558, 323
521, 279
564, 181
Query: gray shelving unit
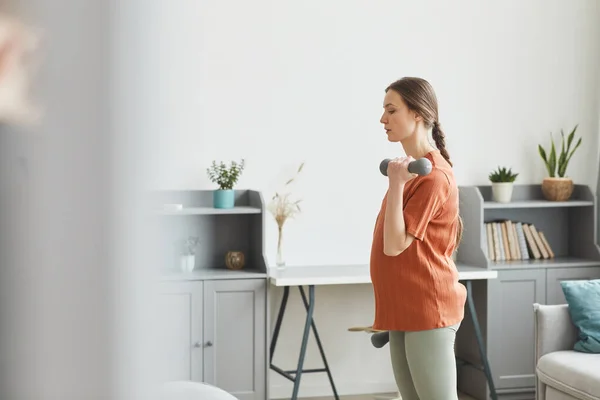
214, 320
505, 304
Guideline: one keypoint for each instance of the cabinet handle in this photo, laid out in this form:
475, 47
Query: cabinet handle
208, 344
197, 344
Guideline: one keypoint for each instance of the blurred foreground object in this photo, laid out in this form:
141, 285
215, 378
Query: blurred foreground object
187, 390
17, 44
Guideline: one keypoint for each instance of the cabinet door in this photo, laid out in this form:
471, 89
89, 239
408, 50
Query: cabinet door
511, 336
235, 336
179, 317
554, 293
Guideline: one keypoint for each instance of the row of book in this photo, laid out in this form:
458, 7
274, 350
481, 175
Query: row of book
515, 240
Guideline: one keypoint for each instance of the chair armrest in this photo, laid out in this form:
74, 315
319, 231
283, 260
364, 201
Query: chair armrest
554, 330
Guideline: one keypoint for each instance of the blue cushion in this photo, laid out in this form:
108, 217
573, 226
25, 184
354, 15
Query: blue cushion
583, 297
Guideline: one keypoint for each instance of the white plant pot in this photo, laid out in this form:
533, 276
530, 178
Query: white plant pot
502, 191
187, 262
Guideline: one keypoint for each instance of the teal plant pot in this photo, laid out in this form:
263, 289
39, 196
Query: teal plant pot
223, 198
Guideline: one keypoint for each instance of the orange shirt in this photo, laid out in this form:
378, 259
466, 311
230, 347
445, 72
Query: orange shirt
419, 288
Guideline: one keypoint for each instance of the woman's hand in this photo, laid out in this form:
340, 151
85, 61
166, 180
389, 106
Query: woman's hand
398, 170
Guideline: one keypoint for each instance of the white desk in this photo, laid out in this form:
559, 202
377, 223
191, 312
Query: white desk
312, 276
350, 274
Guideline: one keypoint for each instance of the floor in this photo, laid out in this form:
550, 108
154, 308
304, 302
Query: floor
380, 396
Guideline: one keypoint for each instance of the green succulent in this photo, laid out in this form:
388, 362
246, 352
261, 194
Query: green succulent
559, 167
225, 176
503, 174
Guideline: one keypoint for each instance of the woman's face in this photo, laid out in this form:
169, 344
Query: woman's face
398, 121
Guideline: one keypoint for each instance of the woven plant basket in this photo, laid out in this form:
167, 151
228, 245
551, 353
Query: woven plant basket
557, 189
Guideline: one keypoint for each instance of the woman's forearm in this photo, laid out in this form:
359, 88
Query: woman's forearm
394, 229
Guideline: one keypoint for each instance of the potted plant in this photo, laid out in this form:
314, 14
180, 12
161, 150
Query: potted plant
225, 177
556, 186
502, 180
188, 254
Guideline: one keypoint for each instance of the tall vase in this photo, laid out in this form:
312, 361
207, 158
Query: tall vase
280, 262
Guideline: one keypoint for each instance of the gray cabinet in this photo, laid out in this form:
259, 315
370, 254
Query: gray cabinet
215, 331
235, 327
511, 331
505, 304
213, 320
180, 332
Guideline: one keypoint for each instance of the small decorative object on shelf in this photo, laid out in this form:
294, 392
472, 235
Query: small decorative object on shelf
502, 181
172, 207
235, 260
282, 207
226, 177
557, 187
188, 254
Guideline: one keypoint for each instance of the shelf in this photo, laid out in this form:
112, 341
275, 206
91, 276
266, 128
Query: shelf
200, 202
570, 229
537, 204
212, 211
182, 214
558, 262
569, 226
213, 274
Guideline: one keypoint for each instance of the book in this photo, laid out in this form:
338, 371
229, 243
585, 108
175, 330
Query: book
508, 240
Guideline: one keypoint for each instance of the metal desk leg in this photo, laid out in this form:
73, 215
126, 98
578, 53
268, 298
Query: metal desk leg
282, 307
309, 309
310, 323
482, 352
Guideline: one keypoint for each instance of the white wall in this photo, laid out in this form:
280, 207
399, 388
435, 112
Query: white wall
235, 79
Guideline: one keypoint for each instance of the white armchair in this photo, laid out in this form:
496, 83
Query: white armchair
561, 372
186, 390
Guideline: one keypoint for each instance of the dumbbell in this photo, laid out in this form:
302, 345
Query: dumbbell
422, 166
380, 339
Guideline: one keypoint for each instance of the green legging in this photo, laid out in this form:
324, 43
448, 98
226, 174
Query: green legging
424, 364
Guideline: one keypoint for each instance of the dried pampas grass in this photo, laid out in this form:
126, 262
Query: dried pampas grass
283, 207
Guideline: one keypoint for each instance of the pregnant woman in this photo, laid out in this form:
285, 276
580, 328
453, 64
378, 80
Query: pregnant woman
418, 296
